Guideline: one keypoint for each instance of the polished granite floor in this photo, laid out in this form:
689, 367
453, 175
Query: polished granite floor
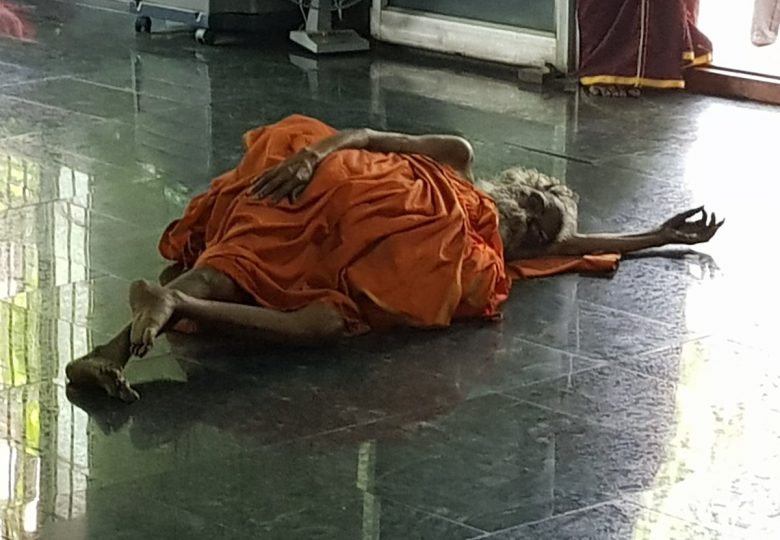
642, 406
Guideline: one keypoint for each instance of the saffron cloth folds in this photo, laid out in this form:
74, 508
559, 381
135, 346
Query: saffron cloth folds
387, 239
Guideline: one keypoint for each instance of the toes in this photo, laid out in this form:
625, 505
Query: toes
149, 334
116, 386
125, 392
136, 330
139, 349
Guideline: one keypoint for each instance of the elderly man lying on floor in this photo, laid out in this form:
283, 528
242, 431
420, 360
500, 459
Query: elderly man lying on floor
318, 234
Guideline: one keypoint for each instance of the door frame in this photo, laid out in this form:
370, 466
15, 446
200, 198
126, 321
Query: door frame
476, 39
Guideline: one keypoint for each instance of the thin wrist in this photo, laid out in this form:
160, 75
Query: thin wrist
658, 237
317, 153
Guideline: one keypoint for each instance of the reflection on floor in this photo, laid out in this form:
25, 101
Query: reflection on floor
645, 406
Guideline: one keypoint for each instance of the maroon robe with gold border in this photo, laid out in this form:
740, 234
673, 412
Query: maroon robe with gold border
639, 43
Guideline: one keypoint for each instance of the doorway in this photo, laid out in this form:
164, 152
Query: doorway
728, 25
739, 68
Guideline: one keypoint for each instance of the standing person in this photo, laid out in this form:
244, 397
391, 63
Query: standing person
626, 45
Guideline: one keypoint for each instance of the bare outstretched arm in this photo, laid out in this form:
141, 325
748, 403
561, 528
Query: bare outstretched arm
290, 178
677, 230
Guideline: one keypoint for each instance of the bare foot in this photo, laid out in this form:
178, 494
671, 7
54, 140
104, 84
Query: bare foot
613, 90
94, 370
152, 306
319, 321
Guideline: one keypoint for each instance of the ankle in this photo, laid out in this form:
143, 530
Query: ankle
180, 300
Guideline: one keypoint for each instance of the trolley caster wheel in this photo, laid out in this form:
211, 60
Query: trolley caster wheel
143, 25
204, 36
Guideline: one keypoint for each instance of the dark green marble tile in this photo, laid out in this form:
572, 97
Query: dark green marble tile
292, 492
550, 314
610, 396
493, 464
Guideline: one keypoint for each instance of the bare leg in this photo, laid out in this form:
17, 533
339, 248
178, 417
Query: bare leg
160, 304
103, 366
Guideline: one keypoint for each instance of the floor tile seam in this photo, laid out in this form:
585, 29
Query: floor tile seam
107, 9
343, 429
645, 318
546, 519
429, 513
85, 78
596, 363
521, 401
4, 86
125, 90
12, 138
679, 343
647, 375
577, 355
346, 428
506, 391
244, 452
614, 160
57, 108
587, 421
548, 153
591, 303
692, 338
595, 357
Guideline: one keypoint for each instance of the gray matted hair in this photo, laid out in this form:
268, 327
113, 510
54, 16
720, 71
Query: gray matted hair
511, 188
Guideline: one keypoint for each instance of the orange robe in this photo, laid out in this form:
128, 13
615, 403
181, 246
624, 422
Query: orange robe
387, 239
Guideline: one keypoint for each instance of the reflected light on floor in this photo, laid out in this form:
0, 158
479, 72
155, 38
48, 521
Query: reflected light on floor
723, 436
746, 193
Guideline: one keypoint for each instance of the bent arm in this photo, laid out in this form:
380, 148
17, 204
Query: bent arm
446, 149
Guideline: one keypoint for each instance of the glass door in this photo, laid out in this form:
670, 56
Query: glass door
518, 32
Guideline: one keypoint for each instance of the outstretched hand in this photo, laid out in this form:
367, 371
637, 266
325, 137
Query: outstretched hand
288, 179
679, 230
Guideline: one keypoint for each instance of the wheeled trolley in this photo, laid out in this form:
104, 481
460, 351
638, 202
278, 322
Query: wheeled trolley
208, 17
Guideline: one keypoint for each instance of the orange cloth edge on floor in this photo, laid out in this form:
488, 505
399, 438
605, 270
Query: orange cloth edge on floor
550, 266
